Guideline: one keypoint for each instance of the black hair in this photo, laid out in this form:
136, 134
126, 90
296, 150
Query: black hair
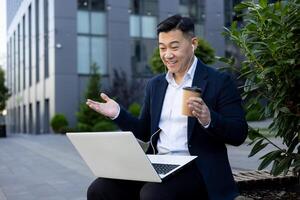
177, 22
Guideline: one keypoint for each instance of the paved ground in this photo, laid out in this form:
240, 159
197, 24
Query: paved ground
41, 167
34, 167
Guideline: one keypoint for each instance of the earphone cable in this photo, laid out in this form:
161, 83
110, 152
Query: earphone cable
153, 149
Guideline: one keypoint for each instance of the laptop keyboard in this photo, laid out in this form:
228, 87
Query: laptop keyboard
163, 168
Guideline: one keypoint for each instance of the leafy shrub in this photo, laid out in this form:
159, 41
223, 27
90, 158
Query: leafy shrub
104, 126
270, 41
4, 93
254, 111
252, 115
86, 117
81, 127
59, 123
126, 91
135, 109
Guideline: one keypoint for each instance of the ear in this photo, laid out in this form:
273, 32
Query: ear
194, 43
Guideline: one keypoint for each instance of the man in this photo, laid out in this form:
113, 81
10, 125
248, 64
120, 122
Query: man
218, 119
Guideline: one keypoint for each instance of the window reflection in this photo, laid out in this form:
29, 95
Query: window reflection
83, 21
98, 5
91, 39
195, 10
83, 4
83, 60
143, 21
98, 54
149, 26
98, 23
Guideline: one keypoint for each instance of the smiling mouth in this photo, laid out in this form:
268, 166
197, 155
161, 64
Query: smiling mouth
171, 63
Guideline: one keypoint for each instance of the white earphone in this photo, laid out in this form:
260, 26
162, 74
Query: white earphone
193, 48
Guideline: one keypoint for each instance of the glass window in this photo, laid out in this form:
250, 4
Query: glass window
46, 116
83, 21
83, 4
24, 119
98, 23
18, 57
98, 5
24, 52
195, 10
30, 118
46, 38
143, 18
150, 7
134, 7
37, 118
83, 60
91, 42
149, 26
134, 26
37, 44
29, 42
143, 21
15, 64
140, 53
99, 53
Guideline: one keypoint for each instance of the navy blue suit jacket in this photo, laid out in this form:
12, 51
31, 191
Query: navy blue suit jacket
228, 126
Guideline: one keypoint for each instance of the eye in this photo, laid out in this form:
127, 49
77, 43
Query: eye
174, 47
162, 48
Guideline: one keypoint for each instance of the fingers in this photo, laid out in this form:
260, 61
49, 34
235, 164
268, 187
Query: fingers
89, 101
93, 104
104, 97
196, 99
199, 110
196, 114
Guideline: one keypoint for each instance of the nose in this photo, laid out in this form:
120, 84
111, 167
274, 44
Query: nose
168, 54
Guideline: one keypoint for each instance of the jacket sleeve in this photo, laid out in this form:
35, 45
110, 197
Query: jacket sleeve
227, 118
139, 126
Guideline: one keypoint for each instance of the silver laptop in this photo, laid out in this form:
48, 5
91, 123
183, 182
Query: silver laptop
118, 155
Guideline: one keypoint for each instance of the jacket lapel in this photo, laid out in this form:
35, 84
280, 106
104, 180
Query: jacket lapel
199, 80
159, 92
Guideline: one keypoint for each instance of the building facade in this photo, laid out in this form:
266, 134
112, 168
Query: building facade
51, 45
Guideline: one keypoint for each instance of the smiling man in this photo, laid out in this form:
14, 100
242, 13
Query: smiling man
218, 119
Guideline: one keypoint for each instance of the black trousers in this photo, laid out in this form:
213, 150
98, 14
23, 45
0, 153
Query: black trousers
184, 184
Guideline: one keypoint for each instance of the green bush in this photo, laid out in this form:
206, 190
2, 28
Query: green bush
253, 115
66, 129
104, 126
270, 41
204, 51
59, 123
254, 111
4, 93
86, 117
135, 109
82, 127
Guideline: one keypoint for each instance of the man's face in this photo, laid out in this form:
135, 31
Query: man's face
176, 51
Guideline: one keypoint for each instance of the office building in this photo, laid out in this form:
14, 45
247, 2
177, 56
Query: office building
51, 45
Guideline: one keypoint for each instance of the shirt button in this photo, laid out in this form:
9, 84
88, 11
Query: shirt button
190, 145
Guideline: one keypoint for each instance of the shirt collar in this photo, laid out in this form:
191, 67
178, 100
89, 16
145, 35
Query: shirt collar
189, 75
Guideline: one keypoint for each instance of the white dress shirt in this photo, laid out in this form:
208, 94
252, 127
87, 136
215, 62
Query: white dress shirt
173, 137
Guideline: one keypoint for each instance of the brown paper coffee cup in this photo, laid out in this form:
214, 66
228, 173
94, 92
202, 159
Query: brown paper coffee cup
187, 93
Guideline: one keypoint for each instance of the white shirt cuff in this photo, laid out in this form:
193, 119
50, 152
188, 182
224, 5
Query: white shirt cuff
118, 113
206, 126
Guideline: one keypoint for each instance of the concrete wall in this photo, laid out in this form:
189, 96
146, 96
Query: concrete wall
213, 26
